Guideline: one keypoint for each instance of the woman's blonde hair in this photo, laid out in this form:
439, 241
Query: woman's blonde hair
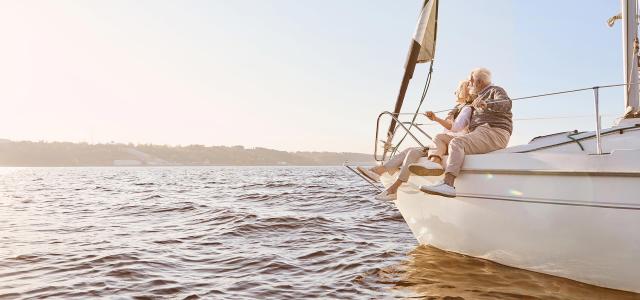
462, 92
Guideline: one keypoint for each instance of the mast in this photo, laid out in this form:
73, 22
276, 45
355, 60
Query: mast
629, 58
409, 68
422, 50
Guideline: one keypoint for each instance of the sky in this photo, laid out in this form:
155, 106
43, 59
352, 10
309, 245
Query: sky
288, 74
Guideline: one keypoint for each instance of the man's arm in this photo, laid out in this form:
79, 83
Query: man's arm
500, 102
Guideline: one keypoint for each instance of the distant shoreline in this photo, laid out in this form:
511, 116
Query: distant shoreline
185, 166
65, 154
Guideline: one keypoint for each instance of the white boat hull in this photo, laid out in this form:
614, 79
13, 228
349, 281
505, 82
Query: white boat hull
583, 225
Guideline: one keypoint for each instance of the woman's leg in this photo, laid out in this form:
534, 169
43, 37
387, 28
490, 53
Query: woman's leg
412, 156
441, 142
394, 163
390, 166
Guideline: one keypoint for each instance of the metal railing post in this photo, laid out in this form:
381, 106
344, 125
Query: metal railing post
596, 94
400, 125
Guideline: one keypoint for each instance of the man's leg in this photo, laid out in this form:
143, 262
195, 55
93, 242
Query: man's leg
482, 140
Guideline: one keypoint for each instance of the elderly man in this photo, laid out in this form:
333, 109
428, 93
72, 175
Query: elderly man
489, 130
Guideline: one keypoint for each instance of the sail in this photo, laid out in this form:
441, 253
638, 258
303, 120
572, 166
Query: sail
425, 34
422, 50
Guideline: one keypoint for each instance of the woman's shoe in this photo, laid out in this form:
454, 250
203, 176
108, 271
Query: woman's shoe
369, 174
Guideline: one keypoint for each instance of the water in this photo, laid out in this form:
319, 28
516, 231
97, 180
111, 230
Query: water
231, 233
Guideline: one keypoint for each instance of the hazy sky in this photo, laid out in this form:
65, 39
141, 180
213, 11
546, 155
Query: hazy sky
285, 74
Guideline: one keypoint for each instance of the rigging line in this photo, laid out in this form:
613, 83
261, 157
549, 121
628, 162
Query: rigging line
551, 94
533, 118
527, 119
561, 117
415, 115
543, 95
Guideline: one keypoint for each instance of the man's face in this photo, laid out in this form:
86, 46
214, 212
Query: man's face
472, 80
472, 84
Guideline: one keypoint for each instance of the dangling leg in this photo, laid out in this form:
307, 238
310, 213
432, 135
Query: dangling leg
412, 156
390, 166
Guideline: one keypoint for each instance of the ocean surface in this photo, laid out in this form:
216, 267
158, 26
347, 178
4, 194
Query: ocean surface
231, 233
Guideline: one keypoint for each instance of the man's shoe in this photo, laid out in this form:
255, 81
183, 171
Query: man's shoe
369, 174
426, 168
440, 189
385, 196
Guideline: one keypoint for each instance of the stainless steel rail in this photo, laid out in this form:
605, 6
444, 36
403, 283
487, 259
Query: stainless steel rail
400, 124
596, 96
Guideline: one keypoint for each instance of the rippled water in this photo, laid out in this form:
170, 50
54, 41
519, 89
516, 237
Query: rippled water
230, 233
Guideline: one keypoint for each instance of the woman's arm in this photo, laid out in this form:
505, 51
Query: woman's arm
446, 123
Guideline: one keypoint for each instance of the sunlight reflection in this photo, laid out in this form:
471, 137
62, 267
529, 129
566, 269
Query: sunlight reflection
514, 192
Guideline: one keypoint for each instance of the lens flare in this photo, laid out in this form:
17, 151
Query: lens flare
514, 192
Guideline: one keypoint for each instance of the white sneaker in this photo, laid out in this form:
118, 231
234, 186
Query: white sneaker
426, 168
385, 196
440, 189
369, 174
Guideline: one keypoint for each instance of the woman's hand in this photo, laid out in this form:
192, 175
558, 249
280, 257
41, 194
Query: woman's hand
431, 115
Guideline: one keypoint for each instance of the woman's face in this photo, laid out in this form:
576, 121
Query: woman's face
463, 91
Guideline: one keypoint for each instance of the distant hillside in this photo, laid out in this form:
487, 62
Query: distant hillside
83, 154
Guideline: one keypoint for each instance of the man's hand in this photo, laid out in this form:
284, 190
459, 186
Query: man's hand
430, 115
480, 104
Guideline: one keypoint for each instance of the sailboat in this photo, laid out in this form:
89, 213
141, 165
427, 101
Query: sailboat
565, 204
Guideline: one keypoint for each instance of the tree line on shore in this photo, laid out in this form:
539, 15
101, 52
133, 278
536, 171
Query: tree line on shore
25, 153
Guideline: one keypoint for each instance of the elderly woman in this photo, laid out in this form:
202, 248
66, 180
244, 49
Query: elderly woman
456, 122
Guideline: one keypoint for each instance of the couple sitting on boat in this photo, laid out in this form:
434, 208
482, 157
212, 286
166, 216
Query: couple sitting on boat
481, 122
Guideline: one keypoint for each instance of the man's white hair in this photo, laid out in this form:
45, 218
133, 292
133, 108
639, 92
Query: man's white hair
482, 74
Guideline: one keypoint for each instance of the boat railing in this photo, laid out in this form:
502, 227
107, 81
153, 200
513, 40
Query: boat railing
407, 126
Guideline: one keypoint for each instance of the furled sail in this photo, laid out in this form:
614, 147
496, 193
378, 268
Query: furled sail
423, 46
426, 32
